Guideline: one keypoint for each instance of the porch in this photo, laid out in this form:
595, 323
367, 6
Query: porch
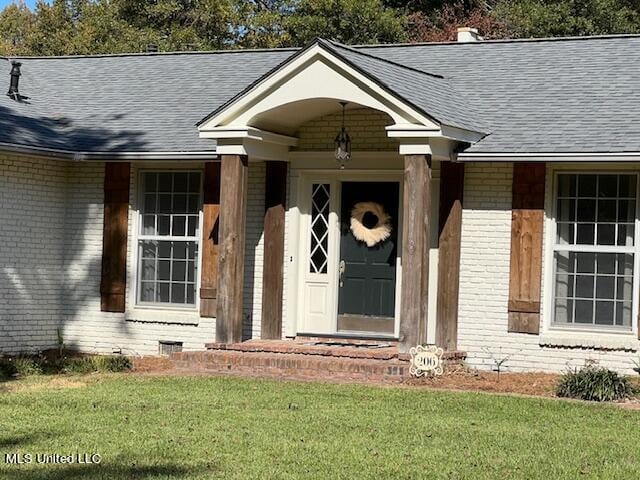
331, 358
319, 277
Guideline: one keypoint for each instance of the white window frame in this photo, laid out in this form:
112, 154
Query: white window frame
550, 247
137, 237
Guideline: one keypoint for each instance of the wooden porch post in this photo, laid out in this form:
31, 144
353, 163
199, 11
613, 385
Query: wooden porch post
272, 282
233, 206
451, 190
415, 250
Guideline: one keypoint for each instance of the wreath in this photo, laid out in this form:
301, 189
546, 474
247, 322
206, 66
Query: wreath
370, 223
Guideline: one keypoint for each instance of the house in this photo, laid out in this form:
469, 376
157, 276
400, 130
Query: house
484, 198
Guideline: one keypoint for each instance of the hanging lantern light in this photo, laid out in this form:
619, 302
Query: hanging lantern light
343, 142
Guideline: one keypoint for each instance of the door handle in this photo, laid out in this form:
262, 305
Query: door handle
341, 268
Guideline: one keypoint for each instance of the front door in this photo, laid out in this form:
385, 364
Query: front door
368, 251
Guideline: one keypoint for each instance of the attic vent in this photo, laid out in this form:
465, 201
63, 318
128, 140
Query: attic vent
167, 348
15, 80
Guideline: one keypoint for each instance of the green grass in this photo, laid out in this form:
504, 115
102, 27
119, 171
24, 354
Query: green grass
167, 427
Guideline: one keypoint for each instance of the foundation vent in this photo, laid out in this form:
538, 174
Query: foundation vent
166, 348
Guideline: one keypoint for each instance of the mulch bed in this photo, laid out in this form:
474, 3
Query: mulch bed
538, 384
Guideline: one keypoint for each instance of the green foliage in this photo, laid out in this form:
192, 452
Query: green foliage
29, 365
20, 366
7, 368
552, 18
347, 21
71, 27
595, 384
102, 364
63, 27
16, 25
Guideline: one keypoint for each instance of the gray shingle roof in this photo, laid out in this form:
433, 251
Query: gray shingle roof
557, 95
562, 95
125, 103
433, 94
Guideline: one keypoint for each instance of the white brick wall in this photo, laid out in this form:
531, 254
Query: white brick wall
51, 246
484, 284
51, 219
87, 328
32, 208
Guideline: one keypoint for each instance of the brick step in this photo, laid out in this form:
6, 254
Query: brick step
369, 351
344, 340
291, 365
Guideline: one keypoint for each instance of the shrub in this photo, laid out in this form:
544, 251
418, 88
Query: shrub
594, 383
78, 365
7, 368
96, 364
26, 366
112, 364
21, 366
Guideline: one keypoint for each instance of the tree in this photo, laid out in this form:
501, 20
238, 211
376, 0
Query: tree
16, 23
347, 21
442, 25
262, 23
552, 18
182, 24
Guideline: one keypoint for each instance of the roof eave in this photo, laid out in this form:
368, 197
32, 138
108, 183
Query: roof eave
79, 155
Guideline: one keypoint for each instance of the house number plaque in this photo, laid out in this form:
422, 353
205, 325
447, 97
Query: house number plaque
425, 360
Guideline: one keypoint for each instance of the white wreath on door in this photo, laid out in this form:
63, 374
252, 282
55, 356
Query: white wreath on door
379, 232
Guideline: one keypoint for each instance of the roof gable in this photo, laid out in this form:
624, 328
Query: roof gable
326, 70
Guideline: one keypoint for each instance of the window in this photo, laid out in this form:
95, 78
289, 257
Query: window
320, 199
594, 250
168, 238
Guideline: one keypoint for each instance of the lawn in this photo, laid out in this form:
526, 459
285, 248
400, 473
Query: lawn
195, 427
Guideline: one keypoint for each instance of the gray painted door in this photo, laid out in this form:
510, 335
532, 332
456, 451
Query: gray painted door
367, 289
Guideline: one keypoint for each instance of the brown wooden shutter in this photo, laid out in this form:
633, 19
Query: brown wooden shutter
527, 220
210, 248
114, 237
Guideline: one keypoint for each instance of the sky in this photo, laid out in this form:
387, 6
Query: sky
4, 3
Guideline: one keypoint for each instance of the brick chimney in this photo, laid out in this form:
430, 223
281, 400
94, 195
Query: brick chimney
468, 34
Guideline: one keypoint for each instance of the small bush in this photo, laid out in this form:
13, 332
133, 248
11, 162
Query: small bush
595, 384
24, 366
96, 364
112, 364
78, 365
7, 369
21, 366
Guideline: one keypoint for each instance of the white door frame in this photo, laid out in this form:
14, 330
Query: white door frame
324, 287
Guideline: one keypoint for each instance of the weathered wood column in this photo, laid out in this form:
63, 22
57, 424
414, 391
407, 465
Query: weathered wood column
233, 206
415, 250
450, 232
272, 282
